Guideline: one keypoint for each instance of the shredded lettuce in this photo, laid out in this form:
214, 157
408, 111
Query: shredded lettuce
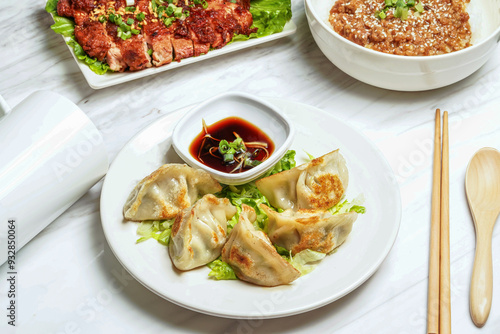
309, 155
269, 16
221, 270
159, 230
246, 194
349, 206
286, 163
306, 260
249, 194
285, 253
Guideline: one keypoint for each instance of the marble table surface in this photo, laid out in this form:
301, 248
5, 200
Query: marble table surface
69, 279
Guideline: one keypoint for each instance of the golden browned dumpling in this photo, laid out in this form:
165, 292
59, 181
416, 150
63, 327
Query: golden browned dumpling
252, 256
199, 232
319, 184
319, 231
168, 190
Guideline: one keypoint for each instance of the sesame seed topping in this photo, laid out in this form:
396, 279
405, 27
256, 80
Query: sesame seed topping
442, 27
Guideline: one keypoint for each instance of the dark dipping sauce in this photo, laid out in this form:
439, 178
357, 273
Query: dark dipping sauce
225, 129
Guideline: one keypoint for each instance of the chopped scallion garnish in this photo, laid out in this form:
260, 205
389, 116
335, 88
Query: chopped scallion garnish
400, 8
178, 12
168, 21
170, 10
140, 17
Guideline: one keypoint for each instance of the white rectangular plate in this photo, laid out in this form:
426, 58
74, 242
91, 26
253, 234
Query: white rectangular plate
97, 81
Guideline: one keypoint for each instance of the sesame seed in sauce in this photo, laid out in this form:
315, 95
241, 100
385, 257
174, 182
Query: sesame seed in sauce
443, 27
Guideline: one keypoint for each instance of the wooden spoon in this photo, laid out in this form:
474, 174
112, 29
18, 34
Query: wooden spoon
482, 185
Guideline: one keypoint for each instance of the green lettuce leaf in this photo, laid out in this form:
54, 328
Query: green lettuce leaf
269, 16
306, 260
63, 26
309, 155
349, 206
249, 194
96, 66
159, 230
221, 270
51, 6
283, 252
286, 163
246, 194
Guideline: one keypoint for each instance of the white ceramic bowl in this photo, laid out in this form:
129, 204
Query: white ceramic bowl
260, 113
406, 73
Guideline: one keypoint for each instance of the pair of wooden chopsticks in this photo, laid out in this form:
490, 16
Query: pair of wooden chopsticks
438, 307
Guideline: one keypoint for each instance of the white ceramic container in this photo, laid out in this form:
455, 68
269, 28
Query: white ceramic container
50, 155
260, 113
406, 73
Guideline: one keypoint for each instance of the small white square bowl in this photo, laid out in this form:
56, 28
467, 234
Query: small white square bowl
260, 113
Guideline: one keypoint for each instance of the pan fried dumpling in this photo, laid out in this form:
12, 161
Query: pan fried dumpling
168, 190
319, 184
252, 256
319, 231
199, 232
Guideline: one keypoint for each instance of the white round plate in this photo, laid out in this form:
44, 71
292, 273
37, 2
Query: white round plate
370, 241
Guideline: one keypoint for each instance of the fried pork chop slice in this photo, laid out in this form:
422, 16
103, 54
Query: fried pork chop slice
135, 53
201, 33
228, 19
93, 38
157, 36
91, 34
131, 53
182, 42
216, 25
